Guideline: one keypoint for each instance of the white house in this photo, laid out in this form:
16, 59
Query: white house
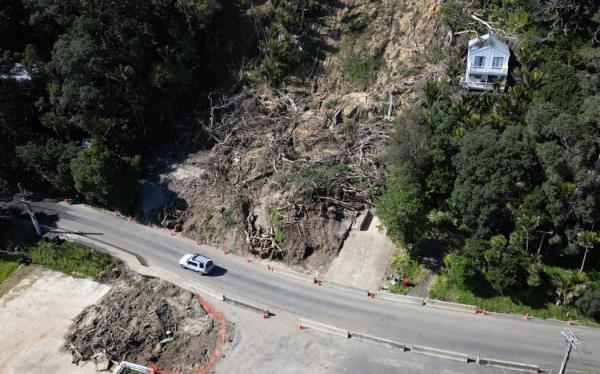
17, 78
487, 63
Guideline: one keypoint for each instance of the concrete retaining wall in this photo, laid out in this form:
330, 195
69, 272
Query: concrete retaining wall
377, 340
508, 365
440, 353
328, 329
451, 306
400, 298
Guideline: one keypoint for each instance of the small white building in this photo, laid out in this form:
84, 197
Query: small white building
487, 63
17, 78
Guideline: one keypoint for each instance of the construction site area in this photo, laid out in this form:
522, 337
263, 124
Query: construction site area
120, 316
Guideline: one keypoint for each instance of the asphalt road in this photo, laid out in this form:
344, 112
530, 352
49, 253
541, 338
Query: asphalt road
534, 342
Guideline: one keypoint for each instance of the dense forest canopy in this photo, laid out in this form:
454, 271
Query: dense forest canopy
123, 73
508, 182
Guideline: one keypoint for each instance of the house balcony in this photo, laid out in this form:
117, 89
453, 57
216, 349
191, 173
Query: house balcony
488, 70
484, 86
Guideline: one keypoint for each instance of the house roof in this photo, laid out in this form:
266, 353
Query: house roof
487, 41
18, 72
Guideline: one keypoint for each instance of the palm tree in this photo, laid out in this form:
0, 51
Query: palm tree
528, 79
586, 239
570, 286
528, 223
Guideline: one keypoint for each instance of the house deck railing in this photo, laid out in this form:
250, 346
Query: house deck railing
488, 70
479, 85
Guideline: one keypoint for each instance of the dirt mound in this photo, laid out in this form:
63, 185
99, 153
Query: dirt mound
145, 321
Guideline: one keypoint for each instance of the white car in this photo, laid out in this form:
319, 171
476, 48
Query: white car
197, 262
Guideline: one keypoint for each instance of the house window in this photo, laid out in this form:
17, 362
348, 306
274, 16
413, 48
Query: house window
479, 61
497, 62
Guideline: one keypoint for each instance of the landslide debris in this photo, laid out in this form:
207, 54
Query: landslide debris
287, 170
145, 321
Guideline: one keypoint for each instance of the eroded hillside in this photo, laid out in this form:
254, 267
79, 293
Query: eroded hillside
290, 169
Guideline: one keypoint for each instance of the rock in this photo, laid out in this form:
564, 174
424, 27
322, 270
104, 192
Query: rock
102, 364
350, 111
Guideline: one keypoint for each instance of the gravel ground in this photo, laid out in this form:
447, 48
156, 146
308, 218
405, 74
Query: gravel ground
36, 314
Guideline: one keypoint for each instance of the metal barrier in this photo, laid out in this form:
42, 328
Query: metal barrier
527, 368
456, 356
328, 329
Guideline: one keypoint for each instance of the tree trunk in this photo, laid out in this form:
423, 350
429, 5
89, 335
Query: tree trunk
583, 262
541, 243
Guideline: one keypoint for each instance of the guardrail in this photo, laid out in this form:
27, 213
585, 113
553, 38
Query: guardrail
344, 287
264, 311
451, 306
377, 340
206, 291
527, 368
441, 353
400, 298
328, 329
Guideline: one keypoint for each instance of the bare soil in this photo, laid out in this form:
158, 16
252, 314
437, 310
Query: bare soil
145, 321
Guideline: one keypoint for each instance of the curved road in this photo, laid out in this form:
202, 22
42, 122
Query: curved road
512, 339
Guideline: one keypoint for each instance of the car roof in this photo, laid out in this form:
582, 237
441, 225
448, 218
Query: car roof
200, 259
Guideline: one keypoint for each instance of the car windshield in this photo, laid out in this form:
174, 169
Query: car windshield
209, 263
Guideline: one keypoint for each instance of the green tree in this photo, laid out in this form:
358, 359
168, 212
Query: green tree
465, 267
506, 269
103, 178
402, 206
589, 304
51, 161
587, 240
493, 169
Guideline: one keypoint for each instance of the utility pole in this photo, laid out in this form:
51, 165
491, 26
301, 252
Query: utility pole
36, 225
572, 341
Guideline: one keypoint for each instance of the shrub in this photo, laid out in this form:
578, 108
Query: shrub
402, 206
462, 272
71, 258
277, 223
506, 269
6, 269
360, 70
589, 304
